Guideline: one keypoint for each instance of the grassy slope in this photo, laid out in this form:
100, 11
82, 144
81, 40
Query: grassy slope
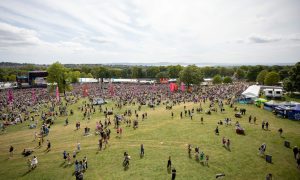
241, 163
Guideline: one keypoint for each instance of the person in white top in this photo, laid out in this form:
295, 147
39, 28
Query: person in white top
34, 162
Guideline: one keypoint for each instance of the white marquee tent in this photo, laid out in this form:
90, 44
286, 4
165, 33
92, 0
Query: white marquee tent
252, 92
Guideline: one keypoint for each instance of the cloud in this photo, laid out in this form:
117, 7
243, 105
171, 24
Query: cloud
15, 36
260, 39
295, 39
149, 30
100, 40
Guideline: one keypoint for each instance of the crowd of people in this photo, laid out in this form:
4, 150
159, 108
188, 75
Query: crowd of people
42, 108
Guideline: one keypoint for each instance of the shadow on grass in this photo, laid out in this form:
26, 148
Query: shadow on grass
68, 165
37, 147
126, 168
46, 151
169, 170
62, 164
141, 156
27, 172
228, 149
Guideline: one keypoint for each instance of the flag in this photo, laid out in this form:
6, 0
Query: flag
175, 87
57, 94
85, 91
10, 96
182, 87
172, 87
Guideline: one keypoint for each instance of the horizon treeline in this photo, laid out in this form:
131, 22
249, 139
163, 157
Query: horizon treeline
247, 72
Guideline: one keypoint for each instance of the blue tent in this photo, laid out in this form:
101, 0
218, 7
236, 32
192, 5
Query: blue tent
295, 112
270, 105
282, 111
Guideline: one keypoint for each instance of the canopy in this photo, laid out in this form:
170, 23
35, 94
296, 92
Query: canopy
252, 92
295, 112
271, 103
262, 100
297, 107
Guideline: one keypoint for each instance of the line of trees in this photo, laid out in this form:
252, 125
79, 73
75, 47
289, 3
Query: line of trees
248, 73
192, 74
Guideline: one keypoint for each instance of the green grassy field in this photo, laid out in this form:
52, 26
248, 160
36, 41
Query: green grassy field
242, 162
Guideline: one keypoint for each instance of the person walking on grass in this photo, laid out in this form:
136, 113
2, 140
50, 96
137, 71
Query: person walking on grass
173, 174
65, 155
169, 163
269, 176
74, 154
48, 145
189, 150
34, 162
298, 159
295, 150
142, 150
78, 147
100, 144
280, 132
224, 141
11, 151
35, 135
206, 160
228, 144
68, 158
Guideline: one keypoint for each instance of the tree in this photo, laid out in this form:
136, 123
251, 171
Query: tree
253, 71
271, 78
174, 71
294, 78
86, 69
89, 75
72, 76
227, 80
162, 75
152, 71
83, 75
56, 74
217, 79
137, 72
191, 75
288, 85
12, 78
101, 72
210, 71
115, 73
284, 73
261, 76
240, 73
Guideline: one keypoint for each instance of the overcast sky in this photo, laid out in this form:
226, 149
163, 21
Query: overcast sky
142, 31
